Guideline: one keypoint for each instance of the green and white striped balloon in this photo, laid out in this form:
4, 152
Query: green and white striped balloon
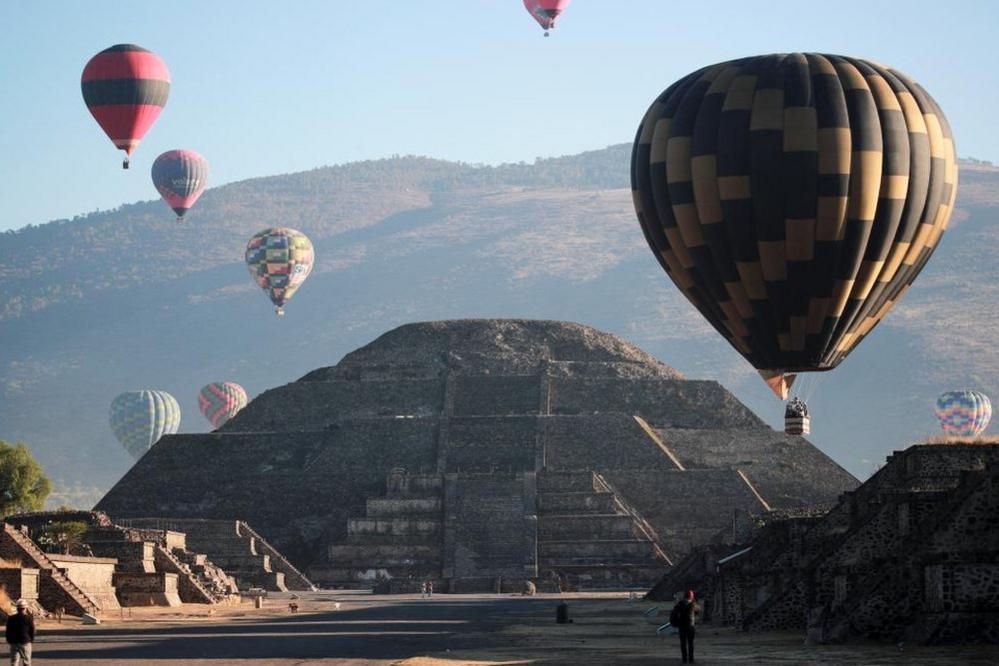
139, 418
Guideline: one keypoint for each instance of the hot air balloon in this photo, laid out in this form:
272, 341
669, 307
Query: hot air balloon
140, 418
964, 413
181, 177
793, 199
546, 12
125, 87
220, 401
279, 260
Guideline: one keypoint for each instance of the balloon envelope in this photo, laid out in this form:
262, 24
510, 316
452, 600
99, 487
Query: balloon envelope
964, 413
220, 401
125, 87
793, 199
546, 12
280, 260
139, 418
180, 176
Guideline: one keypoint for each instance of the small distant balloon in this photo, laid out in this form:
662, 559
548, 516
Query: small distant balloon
180, 176
140, 418
220, 401
964, 413
546, 12
280, 260
125, 87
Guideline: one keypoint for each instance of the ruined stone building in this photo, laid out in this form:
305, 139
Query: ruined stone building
911, 555
114, 565
481, 453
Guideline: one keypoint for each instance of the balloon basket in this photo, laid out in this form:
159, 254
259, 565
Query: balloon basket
124, 163
797, 425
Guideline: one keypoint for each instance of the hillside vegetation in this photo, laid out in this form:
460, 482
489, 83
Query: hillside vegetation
124, 299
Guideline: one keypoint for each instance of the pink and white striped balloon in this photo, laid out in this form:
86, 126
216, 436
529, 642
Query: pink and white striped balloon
220, 401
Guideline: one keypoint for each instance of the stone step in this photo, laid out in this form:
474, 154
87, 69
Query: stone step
223, 545
577, 502
389, 508
371, 539
564, 482
243, 562
586, 527
608, 550
367, 577
378, 552
395, 526
596, 576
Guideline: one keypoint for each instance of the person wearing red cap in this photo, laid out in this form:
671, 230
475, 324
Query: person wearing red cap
683, 617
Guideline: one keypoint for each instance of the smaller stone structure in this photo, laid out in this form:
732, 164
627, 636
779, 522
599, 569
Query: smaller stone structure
231, 545
147, 589
20, 583
93, 575
911, 555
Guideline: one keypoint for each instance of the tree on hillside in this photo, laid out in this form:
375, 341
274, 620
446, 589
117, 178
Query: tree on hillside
23, 484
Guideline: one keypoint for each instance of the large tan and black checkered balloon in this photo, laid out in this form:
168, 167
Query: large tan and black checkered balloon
794, 198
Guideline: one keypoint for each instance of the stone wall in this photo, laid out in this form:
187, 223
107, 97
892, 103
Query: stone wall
292, 406
491, 531
601, 442
325, 476
786, 469
685, 508
486, 443
93, 575
496, 395
147, 589
910, 556
663, 403
20, 583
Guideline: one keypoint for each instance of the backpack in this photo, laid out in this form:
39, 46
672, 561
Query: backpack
674, 616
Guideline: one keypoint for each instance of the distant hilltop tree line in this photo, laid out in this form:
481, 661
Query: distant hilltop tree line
67, 261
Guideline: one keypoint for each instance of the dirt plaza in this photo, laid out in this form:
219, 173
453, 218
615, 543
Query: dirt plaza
446, 630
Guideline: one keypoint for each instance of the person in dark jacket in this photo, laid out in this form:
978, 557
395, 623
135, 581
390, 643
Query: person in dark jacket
20, 635
684, 617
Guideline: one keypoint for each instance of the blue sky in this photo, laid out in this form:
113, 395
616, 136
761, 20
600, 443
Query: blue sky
264, 87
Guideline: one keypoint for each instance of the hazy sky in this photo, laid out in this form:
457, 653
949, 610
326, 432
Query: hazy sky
268, 87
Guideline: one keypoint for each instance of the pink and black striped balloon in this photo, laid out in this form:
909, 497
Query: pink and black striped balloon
220, 401
125, 87
180, 176
546, 12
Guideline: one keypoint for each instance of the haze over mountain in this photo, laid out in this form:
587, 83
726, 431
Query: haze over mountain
127, 299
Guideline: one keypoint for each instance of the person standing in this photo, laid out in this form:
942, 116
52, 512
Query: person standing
20, 634
684, 617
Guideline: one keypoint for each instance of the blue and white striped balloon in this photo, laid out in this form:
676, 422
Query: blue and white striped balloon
964, 413
140, 418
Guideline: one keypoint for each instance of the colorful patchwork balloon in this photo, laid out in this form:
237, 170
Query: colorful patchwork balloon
220, 401
125, 87
546, 12
140, 418
964, 413
279, 260
180, 176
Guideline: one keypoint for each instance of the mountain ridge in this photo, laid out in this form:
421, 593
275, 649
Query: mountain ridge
124, 299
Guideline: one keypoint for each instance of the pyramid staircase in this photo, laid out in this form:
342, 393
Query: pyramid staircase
590, 537
397, 544
55, 588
